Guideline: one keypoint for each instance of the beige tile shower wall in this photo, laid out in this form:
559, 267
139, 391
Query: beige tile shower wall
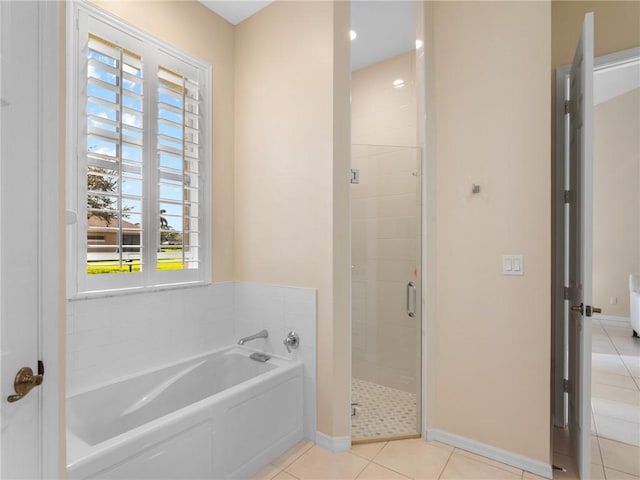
192, 27
384, 222
384, 260
291, 177
492, 105
380, 113
616, 201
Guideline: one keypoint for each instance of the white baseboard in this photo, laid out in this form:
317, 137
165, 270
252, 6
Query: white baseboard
333, 444
612, 318
494, 453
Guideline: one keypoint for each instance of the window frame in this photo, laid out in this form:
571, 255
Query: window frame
82, 18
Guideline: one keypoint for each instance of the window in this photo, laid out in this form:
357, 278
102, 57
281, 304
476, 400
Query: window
140, 118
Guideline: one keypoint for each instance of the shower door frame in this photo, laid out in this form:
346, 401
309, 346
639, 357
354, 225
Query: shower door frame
418, 303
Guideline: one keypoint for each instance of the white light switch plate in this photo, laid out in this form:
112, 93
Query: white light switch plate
513, 264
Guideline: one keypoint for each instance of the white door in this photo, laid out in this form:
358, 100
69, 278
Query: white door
28, 237
580, 246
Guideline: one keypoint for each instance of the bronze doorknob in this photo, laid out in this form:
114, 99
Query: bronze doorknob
25, 381
591, 310
578, 308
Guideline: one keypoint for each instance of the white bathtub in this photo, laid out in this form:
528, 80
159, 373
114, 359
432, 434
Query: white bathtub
221, 415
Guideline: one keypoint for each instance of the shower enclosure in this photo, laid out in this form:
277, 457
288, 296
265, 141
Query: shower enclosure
386, 285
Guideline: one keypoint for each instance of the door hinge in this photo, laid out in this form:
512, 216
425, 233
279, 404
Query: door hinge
355, 176
565, 385
40, 367
568, 197
566, 292
567, 106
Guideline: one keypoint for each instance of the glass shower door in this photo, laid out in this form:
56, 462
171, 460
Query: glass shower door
386, 285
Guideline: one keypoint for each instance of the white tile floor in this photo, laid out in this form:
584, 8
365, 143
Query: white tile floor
615, 401
381, 411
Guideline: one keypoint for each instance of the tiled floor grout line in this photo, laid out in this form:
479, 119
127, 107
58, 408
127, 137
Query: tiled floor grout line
450, 451
494, 463
388, 468
601, 457
497, 463
611, 342
288, 473
363, 468
446, 463
284, 469
597, 434
373, 460
618, 352
636, 381
620, 471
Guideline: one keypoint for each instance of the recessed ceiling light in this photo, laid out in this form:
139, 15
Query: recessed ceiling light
418, 44
352, 34
399, 83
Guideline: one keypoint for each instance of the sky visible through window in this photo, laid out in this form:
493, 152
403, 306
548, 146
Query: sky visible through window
171, 133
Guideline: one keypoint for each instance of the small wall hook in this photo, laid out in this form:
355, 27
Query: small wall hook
475, 188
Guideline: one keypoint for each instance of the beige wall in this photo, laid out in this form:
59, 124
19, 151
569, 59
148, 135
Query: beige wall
291, 173
194, 28
616, 200
616, 25
492, 127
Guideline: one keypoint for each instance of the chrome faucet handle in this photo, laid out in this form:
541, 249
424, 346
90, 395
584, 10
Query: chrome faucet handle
292, 340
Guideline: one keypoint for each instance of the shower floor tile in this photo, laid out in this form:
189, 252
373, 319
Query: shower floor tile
381, 411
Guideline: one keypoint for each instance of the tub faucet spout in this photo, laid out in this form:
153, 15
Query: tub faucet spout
261, 334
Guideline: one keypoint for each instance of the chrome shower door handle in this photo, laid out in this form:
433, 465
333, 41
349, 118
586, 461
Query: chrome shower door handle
411, 309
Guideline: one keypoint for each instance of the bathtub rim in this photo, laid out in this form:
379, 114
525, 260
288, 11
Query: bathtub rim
80, 454
172, 363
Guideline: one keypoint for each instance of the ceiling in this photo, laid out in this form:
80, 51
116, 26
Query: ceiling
384, 28
235, 11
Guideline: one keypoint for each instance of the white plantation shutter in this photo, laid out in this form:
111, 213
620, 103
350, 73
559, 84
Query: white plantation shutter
143, 152
178, 143
114, 116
